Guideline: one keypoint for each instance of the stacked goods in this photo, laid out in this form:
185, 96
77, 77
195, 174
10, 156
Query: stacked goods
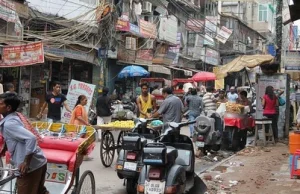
234, 108
120, 124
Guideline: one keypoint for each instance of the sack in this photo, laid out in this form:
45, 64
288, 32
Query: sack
281, 101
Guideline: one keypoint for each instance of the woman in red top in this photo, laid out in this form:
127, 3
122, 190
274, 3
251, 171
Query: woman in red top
270, 102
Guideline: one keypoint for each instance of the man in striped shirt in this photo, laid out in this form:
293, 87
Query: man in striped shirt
209, 100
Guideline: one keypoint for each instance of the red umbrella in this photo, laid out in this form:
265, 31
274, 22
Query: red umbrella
204, 76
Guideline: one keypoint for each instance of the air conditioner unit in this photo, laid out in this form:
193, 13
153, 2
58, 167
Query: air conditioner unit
147, 7
148, 44
130, 43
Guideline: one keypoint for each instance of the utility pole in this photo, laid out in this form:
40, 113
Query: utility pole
279, 30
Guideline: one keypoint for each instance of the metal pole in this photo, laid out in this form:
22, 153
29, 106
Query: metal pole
279, 29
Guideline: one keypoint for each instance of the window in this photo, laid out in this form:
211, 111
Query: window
263, 13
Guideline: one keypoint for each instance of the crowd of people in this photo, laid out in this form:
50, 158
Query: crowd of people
22, 141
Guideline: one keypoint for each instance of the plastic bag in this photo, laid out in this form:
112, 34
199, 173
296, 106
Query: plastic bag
221, 109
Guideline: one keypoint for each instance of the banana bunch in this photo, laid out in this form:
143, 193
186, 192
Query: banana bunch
121, 124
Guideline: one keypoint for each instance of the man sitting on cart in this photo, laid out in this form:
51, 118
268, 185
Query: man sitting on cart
22, 145
146, 102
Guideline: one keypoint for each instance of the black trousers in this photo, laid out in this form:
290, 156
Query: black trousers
274, 118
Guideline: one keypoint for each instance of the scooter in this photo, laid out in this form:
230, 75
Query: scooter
129, 161
168, 163
208, 132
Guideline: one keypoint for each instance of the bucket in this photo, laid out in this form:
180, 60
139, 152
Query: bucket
294, 141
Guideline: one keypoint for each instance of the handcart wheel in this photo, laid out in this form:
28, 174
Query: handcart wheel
120, 141
107, 149
86, 183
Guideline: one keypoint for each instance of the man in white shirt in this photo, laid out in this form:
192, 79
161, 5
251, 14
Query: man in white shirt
232, 96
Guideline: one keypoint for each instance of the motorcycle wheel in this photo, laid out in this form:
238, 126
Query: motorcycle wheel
131, 186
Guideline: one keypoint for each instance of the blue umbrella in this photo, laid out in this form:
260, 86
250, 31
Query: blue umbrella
133, 71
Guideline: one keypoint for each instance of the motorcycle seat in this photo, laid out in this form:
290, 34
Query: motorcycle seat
172, 154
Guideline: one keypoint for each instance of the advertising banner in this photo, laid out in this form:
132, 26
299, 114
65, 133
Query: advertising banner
277, 81
223, 34
144, 56
122, 25
77, 88
8, 11
292, 61
195, 25
211, 24
22, 55
168, 29
147, 29
211, 56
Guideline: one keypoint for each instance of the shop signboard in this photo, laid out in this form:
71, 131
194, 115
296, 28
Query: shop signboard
147, 29
168, 29
223, 34
77, 88
134, 29
292, 61
72, 54
144, 57
195, 25
211, 56
126, 55
176, 50
122, 25
8, 11
22, 55
211, 24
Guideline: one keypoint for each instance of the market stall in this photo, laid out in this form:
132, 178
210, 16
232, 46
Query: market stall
129, 73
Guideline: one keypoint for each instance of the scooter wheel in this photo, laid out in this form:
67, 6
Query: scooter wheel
131, 186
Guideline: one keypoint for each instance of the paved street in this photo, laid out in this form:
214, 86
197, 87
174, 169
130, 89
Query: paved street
107, 180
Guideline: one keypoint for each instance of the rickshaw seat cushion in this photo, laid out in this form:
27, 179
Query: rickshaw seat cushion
61, 144
59, 156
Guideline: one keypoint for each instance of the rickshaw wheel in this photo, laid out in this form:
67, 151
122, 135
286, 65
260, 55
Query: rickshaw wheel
86, 189
120, 141
107, 149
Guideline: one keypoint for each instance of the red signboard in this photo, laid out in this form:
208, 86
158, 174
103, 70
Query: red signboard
22, 55
148, 29
122, 25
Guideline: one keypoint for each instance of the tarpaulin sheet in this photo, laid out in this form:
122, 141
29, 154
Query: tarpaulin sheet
242, 62
240, 123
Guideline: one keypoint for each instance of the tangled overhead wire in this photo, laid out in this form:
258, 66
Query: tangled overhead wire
92, 28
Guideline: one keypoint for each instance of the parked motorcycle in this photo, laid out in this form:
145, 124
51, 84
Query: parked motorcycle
129, 162
208, 132
168, 163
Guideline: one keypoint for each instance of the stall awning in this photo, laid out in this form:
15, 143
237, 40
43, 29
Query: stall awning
159, 69
242, 62
186, 72
151, 68
193, 70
